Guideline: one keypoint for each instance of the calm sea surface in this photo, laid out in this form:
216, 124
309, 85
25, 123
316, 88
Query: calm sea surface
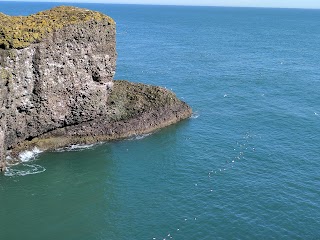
245, 166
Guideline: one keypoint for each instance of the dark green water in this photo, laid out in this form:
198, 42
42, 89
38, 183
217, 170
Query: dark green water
245, 166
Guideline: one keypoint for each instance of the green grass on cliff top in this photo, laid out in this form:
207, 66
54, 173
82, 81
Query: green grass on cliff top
19, 31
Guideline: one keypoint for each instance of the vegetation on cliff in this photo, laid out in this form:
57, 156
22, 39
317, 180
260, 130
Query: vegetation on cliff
20, 31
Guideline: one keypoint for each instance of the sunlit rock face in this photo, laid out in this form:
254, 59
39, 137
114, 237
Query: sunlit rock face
60, 79
57, 89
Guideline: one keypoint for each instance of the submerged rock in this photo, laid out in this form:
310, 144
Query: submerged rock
56, 87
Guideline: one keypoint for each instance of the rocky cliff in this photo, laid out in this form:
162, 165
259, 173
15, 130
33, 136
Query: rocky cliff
56, 84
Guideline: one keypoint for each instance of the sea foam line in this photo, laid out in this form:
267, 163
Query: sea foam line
27, 169
76, 147
139, 137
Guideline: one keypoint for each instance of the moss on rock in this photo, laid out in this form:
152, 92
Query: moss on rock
128, 99
19, 32
5, 75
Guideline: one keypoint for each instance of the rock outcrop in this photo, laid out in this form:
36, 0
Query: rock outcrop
56, 84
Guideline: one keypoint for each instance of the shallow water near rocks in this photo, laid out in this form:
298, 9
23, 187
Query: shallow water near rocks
245, 165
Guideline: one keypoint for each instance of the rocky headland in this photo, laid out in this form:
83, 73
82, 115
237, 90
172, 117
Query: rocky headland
57, 88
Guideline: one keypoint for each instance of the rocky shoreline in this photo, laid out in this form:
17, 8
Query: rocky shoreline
57, 88
134, 109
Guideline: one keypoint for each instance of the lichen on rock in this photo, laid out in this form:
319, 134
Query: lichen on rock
19, 31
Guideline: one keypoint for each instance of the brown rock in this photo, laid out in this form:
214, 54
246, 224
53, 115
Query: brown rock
59, 91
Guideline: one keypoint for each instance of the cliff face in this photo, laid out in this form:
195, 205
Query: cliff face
56, 79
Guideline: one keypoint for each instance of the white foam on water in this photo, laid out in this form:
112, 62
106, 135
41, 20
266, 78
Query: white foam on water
76, 148
239, 154
24, 170
79, 147
139, 137
195, 115
26, 156
13, 163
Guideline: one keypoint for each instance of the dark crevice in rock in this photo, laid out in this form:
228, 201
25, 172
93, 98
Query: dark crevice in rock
29, 138
36, 72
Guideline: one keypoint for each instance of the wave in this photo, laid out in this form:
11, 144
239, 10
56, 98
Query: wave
76, 148
24, 170
139, 137
195, 115
26, 156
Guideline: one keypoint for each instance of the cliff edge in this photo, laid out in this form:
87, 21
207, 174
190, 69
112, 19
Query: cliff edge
57, 88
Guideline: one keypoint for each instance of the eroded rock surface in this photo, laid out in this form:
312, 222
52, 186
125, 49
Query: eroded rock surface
132, 109
58, 88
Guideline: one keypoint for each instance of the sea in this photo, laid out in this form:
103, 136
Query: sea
246, 165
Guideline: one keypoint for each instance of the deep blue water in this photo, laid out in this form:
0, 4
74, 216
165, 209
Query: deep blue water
245, 166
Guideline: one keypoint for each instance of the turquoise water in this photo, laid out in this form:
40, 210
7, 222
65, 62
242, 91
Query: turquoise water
245, 166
